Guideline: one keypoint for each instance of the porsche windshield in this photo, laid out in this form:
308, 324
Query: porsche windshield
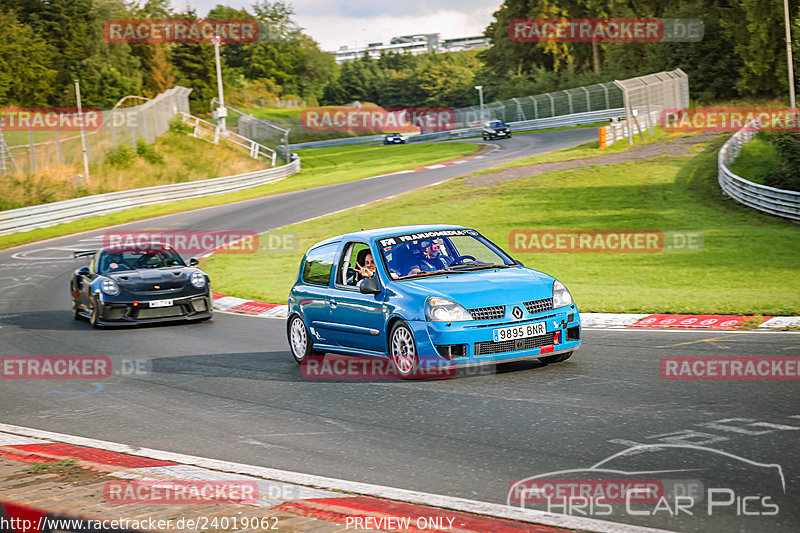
134, 260
438, 252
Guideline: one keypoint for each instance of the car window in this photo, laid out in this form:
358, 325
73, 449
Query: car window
120, 261
354, 255
318, 265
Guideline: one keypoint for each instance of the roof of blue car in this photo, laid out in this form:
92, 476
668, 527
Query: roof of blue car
392, 230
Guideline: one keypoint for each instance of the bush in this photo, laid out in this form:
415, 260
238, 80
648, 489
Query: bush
787, 146
122, 156
148, 152
179, 126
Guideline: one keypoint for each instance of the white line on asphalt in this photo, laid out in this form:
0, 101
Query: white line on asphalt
678, 330
421, 498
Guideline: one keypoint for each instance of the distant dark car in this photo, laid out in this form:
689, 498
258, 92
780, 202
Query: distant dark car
496, 129
394, 138
148, 283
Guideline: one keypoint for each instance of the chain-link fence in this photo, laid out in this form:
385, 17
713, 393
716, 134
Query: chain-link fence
647, 96
31, 149
257, 129
639, 97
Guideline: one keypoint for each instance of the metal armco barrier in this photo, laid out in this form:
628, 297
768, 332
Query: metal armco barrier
778, 202
42, 216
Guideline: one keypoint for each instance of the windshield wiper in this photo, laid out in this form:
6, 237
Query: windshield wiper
474, 266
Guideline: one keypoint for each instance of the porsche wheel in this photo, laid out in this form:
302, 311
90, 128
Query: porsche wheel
403, 351
94, 312
300, 341
555, 358
76, 315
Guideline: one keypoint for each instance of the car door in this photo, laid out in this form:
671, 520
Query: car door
357, 318
313, 294
83, 282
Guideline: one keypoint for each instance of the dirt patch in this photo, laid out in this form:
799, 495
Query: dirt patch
68, 474
669, 147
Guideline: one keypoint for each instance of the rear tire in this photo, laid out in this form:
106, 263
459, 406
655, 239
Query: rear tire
555, 358
300, 341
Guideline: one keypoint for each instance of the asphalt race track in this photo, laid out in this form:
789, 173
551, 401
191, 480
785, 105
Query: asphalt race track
228, 389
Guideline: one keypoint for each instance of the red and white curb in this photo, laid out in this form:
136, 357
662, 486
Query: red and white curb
588, 320
298, 493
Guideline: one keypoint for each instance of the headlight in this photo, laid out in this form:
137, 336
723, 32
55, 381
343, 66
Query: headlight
110, 287
444, 310
198, 279
561, 295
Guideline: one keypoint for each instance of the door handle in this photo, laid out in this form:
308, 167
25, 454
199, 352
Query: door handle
332, 303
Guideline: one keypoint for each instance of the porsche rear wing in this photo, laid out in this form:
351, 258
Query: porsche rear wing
83, 253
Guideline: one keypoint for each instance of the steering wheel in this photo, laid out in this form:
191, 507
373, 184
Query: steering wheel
460, 259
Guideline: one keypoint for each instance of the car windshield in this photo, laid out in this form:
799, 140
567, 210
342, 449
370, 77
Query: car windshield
497, 124
133, 260
440, 251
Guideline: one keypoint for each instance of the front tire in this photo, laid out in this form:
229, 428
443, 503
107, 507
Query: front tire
300, 341
555, 358
403, 351
94, 313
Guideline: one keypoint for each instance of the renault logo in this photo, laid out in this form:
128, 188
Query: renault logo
517, 312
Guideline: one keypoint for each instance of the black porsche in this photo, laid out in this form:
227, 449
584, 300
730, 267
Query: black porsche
149, 283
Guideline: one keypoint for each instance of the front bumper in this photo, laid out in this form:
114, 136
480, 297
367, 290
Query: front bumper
465, 344
128, 313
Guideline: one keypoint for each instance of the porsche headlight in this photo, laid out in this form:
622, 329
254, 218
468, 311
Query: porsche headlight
561, 295
198, 279
444, 310
110, 287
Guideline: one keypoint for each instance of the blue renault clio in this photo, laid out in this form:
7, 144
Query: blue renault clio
427, 297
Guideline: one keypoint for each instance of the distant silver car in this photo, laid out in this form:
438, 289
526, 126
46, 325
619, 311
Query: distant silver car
394, 138
496, 129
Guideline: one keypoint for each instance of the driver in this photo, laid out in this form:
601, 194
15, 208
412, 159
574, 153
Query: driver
115, 262
432, 259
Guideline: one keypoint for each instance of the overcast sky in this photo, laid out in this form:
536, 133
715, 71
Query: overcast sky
354, 23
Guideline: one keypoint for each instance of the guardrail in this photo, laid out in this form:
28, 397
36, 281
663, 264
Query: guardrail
202, 129
778, 202
42, 216
575, 119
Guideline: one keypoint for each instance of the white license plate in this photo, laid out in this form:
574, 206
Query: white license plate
161, 303
519, 332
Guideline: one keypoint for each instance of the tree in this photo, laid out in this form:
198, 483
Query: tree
25, 80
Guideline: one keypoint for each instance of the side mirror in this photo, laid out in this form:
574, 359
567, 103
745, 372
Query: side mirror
83, 271
370, 286
194, 261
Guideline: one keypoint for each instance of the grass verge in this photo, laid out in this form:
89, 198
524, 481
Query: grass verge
321, 166
757, 159
748, 264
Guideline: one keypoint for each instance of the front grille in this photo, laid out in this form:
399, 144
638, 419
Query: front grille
537, 306
160, 312
200, 305
490, 347
488, 313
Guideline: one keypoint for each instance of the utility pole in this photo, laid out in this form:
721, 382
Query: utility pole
222, 111
789, 53
83, 134
480, 95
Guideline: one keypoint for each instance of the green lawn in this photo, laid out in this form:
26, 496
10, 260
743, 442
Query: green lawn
749, 262
320, 166
757, 158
